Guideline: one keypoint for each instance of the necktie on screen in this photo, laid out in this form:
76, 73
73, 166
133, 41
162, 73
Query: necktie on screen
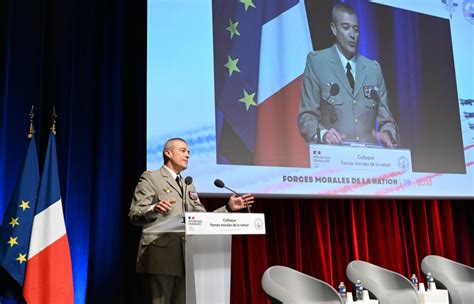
349, 76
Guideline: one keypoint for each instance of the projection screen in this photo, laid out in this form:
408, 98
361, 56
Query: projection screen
228, 77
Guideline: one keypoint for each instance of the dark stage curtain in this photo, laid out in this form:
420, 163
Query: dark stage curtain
88, 59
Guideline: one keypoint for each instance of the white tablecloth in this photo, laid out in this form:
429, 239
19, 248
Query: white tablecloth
433, 295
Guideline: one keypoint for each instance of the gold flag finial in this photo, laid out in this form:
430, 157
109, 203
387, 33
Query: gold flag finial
53, 121
32, 128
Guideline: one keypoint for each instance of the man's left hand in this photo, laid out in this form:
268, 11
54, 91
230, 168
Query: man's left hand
240, 202
384, 138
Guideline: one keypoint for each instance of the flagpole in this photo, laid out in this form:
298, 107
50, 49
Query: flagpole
32, 128
53, 119
49, 244
15, 231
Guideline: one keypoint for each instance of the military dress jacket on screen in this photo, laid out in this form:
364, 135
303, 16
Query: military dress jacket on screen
353, 114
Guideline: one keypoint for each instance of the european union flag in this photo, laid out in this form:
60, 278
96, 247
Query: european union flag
18, 219
237, 34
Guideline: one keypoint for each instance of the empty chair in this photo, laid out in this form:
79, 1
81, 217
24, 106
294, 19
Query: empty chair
387, 286
456, 277
288, 286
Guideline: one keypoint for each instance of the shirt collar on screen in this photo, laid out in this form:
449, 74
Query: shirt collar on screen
344, 61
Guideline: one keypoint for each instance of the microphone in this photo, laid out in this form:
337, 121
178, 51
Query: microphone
333, 89
220, 184
375, 95
187, 181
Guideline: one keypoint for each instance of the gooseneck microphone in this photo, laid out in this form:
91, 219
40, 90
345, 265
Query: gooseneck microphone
187, 181
220, 184
374, 95
333, 89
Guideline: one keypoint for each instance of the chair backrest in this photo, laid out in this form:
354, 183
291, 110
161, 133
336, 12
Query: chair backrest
456, 277
288, 286
387, 286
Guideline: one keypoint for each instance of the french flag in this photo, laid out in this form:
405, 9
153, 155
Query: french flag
48, 276
260, 51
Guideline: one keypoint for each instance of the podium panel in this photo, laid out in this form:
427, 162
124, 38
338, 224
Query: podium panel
208, 247
210, 258
208, 252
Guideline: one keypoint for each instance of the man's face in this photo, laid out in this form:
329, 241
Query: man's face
178, 156
346, 29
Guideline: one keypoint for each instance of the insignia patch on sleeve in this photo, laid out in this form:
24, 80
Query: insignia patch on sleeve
368, 90
193, 195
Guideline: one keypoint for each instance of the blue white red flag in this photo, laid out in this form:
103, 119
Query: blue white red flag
48, 276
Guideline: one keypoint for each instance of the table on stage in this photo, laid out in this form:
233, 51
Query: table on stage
432, 295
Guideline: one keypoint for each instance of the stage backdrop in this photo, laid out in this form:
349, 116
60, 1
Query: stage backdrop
88, 59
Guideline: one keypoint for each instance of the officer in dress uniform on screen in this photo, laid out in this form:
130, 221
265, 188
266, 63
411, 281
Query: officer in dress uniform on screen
343, 93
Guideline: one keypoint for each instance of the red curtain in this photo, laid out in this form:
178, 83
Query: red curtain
320, 237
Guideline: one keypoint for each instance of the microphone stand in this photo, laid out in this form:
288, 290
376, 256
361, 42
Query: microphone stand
333, 91
220, 184
238, 195
183, 199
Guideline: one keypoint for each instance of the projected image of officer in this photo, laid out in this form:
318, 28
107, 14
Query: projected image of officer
343, 97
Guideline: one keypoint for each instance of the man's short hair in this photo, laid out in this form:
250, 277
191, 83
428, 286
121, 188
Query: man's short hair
169, 145
341, 8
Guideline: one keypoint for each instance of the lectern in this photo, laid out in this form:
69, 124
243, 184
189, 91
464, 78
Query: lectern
208, 247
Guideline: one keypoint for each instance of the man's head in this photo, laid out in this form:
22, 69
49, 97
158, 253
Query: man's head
176, 154
345, 27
